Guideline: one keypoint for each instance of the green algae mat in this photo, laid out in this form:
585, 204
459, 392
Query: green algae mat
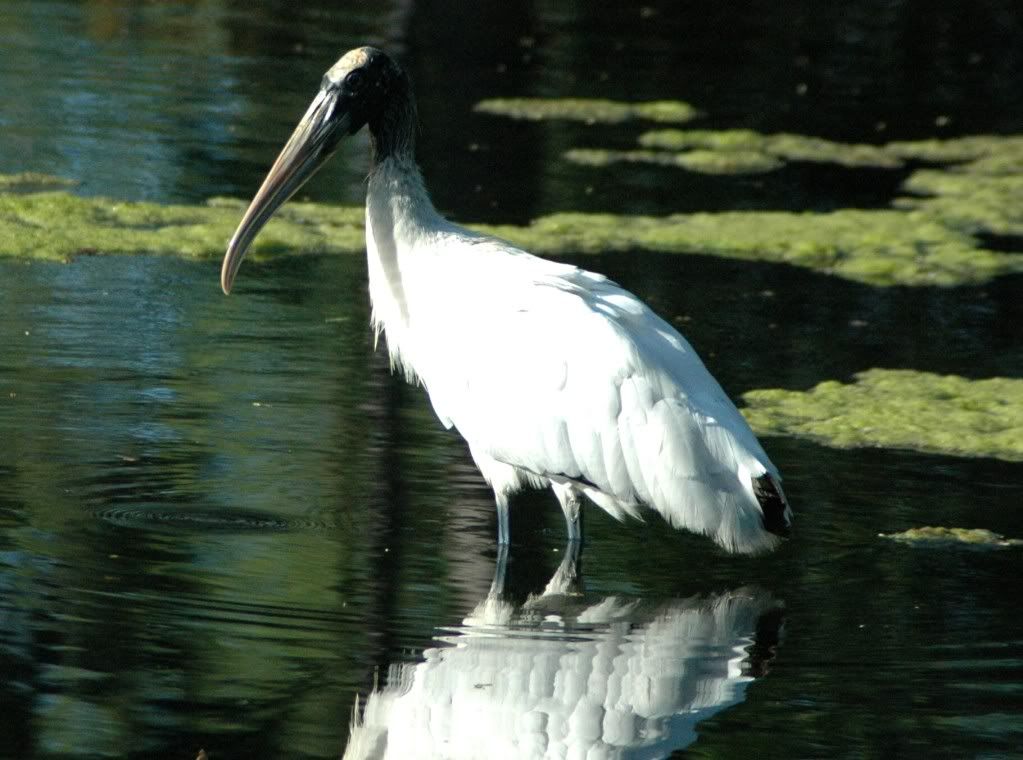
931, 537
877, 247
960, 192
930, 241
738, 151
937, 232
933, 234
57, 225
589, 110
904, 409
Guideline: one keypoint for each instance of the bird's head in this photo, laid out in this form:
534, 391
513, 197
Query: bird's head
361, 88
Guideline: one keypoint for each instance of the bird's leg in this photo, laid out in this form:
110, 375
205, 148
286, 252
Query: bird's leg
567, 579
500, 570
493, 609
571, 505
503, 533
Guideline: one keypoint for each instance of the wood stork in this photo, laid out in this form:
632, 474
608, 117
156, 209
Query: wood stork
555, 376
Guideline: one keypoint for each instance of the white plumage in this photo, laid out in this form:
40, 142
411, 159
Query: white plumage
555, 376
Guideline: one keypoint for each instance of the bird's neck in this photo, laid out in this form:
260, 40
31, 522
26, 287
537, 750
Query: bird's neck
393, 130
397, 197
401, 223
398, 206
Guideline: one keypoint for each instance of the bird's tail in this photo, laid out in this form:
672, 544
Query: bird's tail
741, 519
727, 490
777, 516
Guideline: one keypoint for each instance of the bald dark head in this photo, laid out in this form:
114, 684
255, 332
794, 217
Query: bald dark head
364, 87
374, 90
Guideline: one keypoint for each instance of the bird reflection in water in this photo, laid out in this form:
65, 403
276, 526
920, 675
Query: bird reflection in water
566, 675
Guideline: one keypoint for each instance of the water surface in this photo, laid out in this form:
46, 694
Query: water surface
221, 519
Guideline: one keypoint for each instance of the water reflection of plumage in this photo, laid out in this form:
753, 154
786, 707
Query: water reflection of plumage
561, 677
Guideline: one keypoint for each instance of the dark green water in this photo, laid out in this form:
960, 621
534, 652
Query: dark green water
221, 519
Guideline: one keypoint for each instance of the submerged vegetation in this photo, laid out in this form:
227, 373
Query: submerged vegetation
935, 537
943, 414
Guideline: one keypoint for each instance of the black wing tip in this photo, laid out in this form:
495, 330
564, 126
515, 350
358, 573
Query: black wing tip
772, 504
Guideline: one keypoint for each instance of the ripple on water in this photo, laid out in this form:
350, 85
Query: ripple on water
228, 520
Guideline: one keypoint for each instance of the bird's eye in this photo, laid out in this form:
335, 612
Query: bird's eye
354, 79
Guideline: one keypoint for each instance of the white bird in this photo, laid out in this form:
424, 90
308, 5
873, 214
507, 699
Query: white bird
555, 376
563, 676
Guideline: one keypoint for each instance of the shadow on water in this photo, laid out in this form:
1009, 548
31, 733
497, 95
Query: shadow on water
566, 674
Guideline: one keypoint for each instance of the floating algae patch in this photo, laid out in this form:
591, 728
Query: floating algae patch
936, 537
932, 235
974, 202
992, 154
930, 240
60, 226
590, 111
700, 161
904, 409
706, 139
979, 195
30, 182
743, 151
815, 149
774, 148
878, 247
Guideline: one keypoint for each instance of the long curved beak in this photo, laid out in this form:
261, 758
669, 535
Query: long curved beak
313, 142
